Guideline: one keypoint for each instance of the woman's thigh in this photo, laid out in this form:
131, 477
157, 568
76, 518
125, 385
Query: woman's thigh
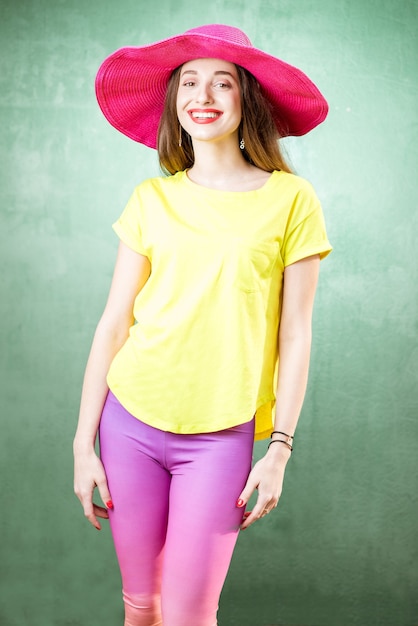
208, 474
139, 486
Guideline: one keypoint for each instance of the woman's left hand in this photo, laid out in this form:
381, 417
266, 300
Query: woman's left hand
267, 477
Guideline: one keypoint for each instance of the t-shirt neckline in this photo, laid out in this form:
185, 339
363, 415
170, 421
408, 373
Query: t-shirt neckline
183, 177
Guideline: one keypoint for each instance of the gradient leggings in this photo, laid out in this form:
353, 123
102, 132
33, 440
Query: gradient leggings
175, 520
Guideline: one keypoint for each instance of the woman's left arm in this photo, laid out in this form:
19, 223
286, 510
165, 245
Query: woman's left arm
299, 286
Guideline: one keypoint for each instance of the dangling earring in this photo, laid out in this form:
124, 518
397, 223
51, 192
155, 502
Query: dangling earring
180, 136
242, 144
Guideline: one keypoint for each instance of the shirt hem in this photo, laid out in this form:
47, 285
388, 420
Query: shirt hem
197, 429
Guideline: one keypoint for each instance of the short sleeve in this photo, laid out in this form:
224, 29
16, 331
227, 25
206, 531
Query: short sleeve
305, 232
129, 225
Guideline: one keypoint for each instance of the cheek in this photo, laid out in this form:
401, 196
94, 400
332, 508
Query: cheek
238, 107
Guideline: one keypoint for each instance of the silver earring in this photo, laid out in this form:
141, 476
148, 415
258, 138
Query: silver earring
180, 137
242, 144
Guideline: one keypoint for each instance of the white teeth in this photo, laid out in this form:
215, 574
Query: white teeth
200, 114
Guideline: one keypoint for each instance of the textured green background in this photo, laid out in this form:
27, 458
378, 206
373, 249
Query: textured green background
341, 549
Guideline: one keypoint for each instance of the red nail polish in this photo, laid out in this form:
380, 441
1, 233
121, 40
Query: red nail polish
240, 503
109, 504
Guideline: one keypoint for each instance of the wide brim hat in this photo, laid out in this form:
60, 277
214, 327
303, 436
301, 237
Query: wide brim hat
131, 83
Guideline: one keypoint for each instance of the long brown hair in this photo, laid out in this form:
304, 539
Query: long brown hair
257, 129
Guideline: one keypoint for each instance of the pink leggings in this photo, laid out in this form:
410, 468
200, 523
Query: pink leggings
175, 520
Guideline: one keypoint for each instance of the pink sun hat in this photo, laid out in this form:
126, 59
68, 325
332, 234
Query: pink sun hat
131, 83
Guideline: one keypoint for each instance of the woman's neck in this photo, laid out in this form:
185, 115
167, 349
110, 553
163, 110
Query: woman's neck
224, 169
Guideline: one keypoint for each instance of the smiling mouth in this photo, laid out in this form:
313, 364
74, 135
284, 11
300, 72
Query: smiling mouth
205, 115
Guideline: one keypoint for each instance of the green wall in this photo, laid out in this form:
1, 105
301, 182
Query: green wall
342, 548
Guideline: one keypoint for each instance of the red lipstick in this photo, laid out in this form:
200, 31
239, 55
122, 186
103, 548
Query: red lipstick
204, 116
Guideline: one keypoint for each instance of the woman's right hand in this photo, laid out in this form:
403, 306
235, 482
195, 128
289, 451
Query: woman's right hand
88, 474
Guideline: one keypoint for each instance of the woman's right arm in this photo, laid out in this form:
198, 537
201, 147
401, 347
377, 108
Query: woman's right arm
130, 275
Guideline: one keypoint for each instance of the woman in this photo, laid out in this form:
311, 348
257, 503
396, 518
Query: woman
215, 277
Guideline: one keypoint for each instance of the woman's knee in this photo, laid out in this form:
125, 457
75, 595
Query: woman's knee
142, 609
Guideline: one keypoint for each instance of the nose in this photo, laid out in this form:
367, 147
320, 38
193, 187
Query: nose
204, 95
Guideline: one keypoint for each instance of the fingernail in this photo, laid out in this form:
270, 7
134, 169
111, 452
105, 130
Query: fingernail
240, 502
109, 504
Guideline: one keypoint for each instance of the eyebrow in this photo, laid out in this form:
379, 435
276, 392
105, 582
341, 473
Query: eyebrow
217, 73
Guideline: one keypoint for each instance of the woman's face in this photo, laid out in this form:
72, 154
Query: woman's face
209, 100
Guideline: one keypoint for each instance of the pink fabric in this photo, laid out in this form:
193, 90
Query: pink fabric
175, 520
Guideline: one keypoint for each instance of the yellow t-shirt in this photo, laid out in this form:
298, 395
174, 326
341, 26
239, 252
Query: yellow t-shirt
202, 354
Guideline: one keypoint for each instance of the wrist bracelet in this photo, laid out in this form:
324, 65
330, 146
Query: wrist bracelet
280, 441
279, 432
